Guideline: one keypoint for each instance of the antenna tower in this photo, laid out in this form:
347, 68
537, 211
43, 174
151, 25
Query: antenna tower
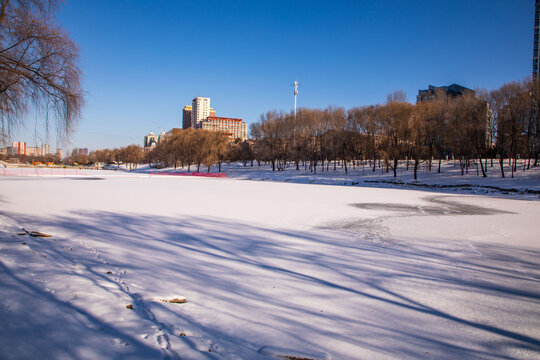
296, 85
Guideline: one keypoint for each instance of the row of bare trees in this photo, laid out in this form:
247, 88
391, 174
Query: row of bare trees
180, 148
130, 155
469, 128
191, 147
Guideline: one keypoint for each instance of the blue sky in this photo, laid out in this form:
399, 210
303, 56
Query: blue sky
144, 60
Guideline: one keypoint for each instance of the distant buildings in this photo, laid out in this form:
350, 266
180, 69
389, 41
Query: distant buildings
46, 149
201, 116
152, 139
17, 148
452, 92
20, 148
448, 92
186, 117
535, 41
33, 151
233, 128
162, 136
200, 110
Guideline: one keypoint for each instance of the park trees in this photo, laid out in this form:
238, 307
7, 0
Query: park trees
395, 117
39, 68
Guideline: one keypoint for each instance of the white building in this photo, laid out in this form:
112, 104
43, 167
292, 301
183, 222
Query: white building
162, 136
200, 110
46, 149
150, 140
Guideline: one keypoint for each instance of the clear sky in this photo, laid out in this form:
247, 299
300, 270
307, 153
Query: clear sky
144, 60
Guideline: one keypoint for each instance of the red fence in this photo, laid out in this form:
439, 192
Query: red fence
44, 171
217, 175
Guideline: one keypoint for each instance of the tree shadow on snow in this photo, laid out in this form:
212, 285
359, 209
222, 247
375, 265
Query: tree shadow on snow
320, 290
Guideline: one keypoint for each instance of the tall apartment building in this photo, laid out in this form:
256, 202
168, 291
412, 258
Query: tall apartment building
186, 117
535, 41
233, 128
200, 110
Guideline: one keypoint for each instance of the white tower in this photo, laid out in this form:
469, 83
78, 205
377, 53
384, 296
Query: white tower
296, 85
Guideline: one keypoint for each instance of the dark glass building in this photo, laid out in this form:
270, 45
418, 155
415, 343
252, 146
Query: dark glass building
535, 43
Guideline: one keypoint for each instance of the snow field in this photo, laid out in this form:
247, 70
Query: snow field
267, 269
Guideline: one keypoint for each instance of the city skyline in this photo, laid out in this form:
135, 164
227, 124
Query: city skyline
139, 75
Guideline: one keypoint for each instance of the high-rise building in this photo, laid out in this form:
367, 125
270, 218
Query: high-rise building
448, 92
233, 128
535, 41
186, 117
83, 151
212, 112
59, 154
200, 110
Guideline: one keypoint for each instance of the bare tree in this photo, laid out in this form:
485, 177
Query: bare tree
38, 66
395, 118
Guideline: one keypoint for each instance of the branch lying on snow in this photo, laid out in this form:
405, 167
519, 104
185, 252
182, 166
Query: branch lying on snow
36, 233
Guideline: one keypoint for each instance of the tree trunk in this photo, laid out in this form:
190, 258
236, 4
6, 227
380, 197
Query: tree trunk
512, 166
501, 163
482, 167
416, 162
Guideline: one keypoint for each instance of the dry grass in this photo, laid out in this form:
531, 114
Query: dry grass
176, 301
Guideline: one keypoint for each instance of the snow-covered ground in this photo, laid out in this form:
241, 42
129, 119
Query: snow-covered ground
268, 269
